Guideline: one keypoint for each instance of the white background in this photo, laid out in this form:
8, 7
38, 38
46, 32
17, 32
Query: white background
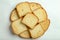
53, 10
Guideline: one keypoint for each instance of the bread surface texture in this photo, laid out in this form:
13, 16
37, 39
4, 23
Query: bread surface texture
29, 20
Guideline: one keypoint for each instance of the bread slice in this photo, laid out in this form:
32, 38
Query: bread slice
13, 16
37, 31
25, 34
23, 8
45, 24
34, 6
18, 27
41, 14
30, 20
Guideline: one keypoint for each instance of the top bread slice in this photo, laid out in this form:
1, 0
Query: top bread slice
37, 31
45, 24
30, 20
40, 14
23, 8
18, 27
34, 6
25, 34
14, 16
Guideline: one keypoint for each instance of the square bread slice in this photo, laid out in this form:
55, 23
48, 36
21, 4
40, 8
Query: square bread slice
25, 34
34, 6
30, 20
14, 15
41, 14
23, 8
37, 31
18, 27
45, 24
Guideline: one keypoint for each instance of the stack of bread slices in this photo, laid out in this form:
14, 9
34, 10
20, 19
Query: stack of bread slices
29, 20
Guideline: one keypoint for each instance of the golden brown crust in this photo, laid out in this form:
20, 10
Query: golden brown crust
33, 4
25, 34
12, 14
45, 23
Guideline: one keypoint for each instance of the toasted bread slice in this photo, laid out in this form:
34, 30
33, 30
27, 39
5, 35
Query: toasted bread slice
23, 8
34, 6
18, 27
41, 14
45, 24
30, 20
14, 16
37, 31
25, 34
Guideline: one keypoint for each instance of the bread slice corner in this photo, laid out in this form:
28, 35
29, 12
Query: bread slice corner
34, 6
25, 34
13, 15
